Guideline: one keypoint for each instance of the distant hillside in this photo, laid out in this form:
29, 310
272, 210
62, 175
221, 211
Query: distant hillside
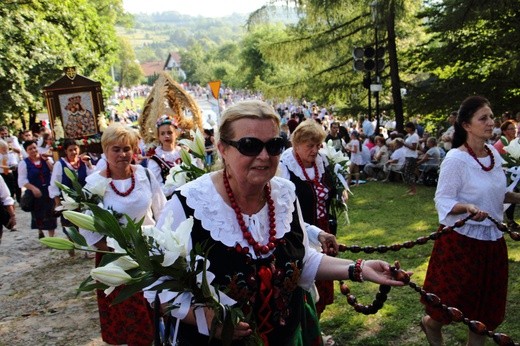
155, 35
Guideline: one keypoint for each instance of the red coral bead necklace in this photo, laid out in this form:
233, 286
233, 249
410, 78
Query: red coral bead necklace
124, 193
474, 156
259, 249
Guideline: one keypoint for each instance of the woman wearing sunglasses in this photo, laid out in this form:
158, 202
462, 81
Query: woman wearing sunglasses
252, 222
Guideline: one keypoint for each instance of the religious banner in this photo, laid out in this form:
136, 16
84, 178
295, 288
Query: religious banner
74, 103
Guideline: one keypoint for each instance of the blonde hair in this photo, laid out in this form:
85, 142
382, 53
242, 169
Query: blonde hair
308, 131
248, 109
120, 134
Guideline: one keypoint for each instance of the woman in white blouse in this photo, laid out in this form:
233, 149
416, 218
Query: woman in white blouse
468, 268
134, 191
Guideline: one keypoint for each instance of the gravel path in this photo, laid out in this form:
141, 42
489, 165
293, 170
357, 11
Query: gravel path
38, 301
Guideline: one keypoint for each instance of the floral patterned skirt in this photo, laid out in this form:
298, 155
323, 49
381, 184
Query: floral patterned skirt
471, 275
129, 322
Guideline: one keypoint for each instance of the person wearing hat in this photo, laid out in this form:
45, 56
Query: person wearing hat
397, 158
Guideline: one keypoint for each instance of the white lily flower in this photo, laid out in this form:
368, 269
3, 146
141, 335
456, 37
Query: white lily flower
99, 187
332, 154
110, 275
125, 263
177, 177
68, 203
513, 149
197, 144
175, 244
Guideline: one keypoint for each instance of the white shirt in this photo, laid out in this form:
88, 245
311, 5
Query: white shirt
411, 139
462, 180
146, 200
5, 194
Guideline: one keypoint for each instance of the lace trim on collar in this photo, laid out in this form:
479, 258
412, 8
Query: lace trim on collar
220, 220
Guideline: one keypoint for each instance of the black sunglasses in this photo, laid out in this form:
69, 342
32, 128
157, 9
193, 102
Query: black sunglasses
251, 146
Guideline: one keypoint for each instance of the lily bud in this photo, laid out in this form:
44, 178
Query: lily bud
110, 275
185, 157
80, 220
57, 243
199, 147
125, 263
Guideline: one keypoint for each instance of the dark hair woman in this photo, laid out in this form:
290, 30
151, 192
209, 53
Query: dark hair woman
468, 267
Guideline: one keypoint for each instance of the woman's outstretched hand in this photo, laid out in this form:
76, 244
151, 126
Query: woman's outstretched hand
382, 273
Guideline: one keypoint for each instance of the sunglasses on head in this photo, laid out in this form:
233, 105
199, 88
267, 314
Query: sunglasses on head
251, 146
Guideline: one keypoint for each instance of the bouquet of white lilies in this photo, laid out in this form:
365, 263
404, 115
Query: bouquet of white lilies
143, 257
189, 169
338, 166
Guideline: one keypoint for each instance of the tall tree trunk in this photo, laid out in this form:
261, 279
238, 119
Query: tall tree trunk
394, 68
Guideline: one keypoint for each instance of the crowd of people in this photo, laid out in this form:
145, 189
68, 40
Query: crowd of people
278, 190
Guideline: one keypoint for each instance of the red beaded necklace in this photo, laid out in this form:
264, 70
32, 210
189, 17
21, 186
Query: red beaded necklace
318, 186
316, 180
125, 193
474, 156
259, 249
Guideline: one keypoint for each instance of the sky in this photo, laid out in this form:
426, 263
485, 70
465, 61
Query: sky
205, 8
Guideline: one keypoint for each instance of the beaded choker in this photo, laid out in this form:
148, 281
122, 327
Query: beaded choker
474, 156
259, 249
124, 193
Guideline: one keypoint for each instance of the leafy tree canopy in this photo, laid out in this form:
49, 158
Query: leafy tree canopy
40, 37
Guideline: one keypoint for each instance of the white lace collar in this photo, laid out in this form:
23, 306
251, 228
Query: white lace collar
289, 160
220, 220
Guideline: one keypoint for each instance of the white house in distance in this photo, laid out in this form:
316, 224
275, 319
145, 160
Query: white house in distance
152, 69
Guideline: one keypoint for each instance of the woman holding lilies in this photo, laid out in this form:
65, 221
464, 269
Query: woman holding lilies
259, 250
80, 164
132, 190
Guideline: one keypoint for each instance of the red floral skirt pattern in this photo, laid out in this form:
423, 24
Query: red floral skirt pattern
129, 322
471, 275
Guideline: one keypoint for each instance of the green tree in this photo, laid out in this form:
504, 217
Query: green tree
473, 49
128, 69
40, 37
